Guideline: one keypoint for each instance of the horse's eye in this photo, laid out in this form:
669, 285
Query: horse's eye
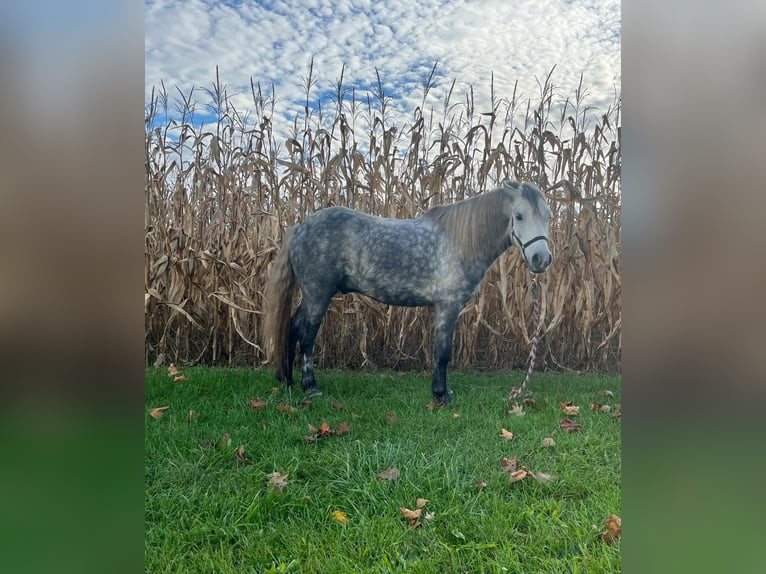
519, 217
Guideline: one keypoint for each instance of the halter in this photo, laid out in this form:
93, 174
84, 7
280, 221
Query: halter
524, 246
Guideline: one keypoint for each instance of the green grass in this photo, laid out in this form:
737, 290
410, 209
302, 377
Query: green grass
207, 511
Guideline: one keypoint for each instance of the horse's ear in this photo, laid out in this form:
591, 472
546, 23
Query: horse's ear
511, 185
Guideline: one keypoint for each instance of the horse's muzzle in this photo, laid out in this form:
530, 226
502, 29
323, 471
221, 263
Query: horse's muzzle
540, 262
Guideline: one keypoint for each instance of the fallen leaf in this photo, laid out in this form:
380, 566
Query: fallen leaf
286, 408
613, 529
324, 429
530, 402
339, 516
548, 441
428, 516
421, 502
518, 475
337, 406
600, 408
517, 410
433, 405
191, 415
305, 404
311, 437
392, 418
343, 428
542, 476
569, 426
355, 416
569, 409
277, 481
158, 412
506, 434
412, 515
226, 441
455, 416
257, 404
509, 464
390, 473
616, 416
607, 393
172, 371
179, 379
313, 429
240, 453
274, 390
480, 483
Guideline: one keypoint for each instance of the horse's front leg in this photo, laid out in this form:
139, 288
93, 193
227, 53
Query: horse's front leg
444, 329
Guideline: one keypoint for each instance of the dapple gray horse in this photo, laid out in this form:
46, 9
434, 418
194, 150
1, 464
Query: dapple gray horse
436, 260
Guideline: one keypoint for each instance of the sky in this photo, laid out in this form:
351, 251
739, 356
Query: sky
274, 41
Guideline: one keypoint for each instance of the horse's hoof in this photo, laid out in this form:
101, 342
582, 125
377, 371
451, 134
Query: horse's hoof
313, 392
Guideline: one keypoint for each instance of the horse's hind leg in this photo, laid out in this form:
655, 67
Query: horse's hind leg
444, 329
304, 330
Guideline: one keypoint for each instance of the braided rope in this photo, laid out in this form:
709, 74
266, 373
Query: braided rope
515, 393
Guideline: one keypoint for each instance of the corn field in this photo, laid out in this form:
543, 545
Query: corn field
220, 196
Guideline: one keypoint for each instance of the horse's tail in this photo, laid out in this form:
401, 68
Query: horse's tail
279, 301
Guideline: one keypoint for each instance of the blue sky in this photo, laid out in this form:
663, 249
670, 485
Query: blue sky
274, 41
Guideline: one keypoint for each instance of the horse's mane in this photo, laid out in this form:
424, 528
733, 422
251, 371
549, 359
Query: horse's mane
477, 225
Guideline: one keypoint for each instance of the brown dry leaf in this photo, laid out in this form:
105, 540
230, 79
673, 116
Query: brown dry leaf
257, 404
518, 475
613, 529
172, 371
324, 429
607, 393
313, 429
506, 434
392, 418
304, 404
412, 515
421, 502
179, 379
517, 410
338, 406
480, 484
277, 481
569, 426
343, 428
390, 473
240, 453
226, 441
616, 416
509, 464
569, 409
548, 441
286, 408
529, 402
600, 408
157, 412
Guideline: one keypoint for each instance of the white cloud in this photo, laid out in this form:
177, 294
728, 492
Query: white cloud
274, 41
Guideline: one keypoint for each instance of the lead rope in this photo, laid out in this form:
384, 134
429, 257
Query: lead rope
515, 393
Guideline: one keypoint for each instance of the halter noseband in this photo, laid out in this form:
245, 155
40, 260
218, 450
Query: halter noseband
528, 243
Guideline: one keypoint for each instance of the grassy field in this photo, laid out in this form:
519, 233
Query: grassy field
210, 510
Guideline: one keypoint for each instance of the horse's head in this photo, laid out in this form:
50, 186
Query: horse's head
528, 227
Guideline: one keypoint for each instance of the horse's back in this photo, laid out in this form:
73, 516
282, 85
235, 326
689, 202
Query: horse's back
391, 260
